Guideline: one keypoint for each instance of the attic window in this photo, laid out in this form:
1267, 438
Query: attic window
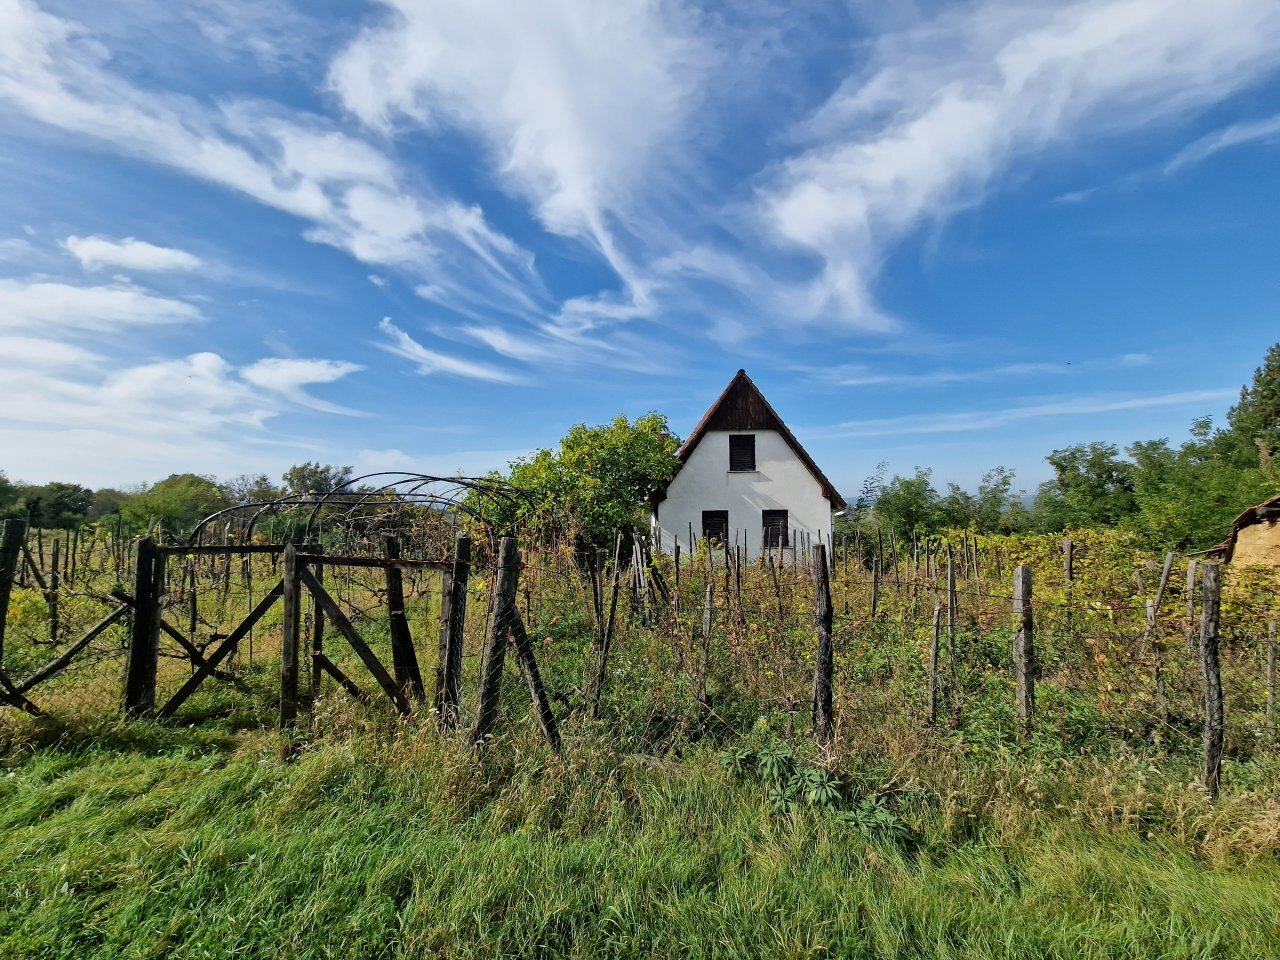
776, 528
742, 452
715, 525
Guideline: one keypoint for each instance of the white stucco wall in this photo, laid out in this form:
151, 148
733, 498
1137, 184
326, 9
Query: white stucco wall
780, 481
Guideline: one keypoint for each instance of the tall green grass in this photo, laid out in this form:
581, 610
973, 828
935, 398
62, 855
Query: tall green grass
386, 841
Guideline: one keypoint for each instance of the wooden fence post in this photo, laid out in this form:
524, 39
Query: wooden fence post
55, 588
142, 657
1024, 650
1271, 671
291, 627
708, 619
605, 637
449, 689
317, 626
933, 663
12, 537
537, 692
504, 602
953, 609
1211, 599
404, 662
1157, 656
1190, 623
823, 709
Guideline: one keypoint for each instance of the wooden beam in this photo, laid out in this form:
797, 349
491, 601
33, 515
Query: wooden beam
339, 620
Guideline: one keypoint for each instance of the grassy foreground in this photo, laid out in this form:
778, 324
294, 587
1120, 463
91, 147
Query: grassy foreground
141, 841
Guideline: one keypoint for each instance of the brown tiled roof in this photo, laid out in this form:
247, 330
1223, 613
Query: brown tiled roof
743, 407
1266, 511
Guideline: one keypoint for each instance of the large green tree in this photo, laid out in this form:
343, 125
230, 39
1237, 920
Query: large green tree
313, 479
55, 504
1187, 496
600, 477
1253, 423
909, 504
179, 502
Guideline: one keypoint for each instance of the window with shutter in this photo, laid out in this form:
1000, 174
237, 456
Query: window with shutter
776, 527
715, 525
742, 452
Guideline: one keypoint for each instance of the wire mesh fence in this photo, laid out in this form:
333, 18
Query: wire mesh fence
653, 641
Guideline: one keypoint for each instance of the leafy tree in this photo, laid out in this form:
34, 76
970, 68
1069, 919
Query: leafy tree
179, 502
1188, 496
1254, 423
909, 504
602, 476
107, 502
1092, 485
251, 488
55, 504
8, 495
315, 478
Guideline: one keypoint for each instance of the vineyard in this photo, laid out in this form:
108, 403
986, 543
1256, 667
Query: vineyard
905, 701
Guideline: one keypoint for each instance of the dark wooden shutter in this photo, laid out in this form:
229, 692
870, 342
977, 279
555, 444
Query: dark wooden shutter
742, 451
775, 524
715, 525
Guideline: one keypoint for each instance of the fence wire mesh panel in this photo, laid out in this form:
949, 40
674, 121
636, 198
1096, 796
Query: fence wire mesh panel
664, 644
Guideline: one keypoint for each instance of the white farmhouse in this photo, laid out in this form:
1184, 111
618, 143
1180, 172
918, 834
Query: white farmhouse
745, 479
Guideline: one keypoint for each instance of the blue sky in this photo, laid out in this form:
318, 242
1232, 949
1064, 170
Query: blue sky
433, 234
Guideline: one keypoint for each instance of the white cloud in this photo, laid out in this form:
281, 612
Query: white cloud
129, 253
975, 420
288, 377
863, 375
945, 107
34, 353
124, 423
14, 248
1257, 131
351, 193
430, 362
580, 103
37, 305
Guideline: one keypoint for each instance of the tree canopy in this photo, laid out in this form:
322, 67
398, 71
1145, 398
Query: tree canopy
602, 476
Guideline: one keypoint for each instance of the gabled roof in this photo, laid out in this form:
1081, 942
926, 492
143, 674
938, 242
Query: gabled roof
1266, 512
743, 407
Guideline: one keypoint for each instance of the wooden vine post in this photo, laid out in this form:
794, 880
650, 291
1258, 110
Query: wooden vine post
292, 629
1271, 671
495, 651
453, 618
12, 537
933, 663
823, 708
143, 654
1024, 650
1211, 671
404, 662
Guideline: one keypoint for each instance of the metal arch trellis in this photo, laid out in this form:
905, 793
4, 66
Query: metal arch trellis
493, 505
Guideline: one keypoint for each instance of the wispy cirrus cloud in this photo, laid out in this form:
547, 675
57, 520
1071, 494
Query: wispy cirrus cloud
290, 377
946, 108
1266, 130
429, 362
968, 421
199, 412
40, 305
865, 375
129, 253
353, 196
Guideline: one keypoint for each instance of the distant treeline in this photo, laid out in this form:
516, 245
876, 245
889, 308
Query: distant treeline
178, 502
1177, 497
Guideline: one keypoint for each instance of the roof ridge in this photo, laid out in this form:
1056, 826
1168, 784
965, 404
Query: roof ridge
742, 380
